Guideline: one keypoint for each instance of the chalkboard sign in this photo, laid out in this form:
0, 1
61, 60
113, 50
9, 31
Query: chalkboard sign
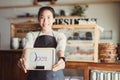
39, 58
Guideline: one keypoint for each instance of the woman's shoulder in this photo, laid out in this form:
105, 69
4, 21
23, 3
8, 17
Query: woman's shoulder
58, 34
32, 33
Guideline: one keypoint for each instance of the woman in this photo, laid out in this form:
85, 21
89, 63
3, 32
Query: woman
49, 38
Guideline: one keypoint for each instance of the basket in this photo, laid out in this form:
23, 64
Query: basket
107, 53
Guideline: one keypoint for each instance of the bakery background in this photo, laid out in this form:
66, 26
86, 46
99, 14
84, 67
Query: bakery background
107, 16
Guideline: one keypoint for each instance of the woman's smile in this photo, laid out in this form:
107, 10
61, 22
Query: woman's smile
46, 19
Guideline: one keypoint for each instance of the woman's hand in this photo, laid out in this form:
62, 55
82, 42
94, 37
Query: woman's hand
59, 65
21, 64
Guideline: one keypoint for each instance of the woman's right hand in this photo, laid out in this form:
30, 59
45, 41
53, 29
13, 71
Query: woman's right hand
21, 64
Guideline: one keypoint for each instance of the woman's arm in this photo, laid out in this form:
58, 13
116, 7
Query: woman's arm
21, 62
61, 62
29, 44
61, 45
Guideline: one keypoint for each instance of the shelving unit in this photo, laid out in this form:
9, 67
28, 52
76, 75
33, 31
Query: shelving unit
61, 4
94, 43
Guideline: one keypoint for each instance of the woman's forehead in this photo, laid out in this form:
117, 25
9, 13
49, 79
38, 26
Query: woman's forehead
46, 12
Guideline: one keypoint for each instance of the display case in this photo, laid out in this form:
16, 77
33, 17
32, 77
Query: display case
76, 43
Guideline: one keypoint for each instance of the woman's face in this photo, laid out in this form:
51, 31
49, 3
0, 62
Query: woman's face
46, 20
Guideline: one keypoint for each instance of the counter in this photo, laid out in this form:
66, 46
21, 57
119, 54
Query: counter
10, 71
8, 65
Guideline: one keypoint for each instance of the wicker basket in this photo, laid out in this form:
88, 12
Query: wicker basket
106, 46
107, 53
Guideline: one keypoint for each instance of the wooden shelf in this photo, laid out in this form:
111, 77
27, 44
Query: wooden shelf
19, 18
61, 4
82, 3
18, 6
81, 44
76, 26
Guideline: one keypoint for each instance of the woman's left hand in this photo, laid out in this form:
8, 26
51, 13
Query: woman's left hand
59, 65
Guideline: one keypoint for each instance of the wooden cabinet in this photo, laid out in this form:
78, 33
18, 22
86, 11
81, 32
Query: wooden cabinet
87, 67
8, 65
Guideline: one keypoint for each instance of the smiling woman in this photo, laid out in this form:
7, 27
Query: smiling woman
46, 37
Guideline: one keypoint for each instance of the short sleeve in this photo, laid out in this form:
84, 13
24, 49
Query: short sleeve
29, 40
61, 42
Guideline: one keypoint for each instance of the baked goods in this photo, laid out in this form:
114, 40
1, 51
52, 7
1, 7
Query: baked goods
106, 46
107, 52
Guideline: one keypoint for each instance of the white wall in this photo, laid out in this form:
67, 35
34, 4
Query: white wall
107, 15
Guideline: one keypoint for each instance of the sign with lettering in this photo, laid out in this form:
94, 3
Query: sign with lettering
71, 21
39, 58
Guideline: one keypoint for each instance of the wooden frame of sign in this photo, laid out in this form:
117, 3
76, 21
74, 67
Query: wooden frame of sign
39, 58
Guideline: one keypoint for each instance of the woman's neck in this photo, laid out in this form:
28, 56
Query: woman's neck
48, 31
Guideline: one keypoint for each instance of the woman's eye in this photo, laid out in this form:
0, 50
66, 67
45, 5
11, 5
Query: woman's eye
48, 17
41, 17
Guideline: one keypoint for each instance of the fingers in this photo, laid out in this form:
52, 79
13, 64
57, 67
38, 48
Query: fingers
59, 65
21, 64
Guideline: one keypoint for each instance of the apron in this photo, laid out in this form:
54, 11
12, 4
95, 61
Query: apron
45, 41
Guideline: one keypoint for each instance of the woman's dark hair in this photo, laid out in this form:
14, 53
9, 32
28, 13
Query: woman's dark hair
46, 8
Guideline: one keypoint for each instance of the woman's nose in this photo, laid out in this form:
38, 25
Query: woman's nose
45, 20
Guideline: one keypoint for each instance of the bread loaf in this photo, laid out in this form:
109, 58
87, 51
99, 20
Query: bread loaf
107, 53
